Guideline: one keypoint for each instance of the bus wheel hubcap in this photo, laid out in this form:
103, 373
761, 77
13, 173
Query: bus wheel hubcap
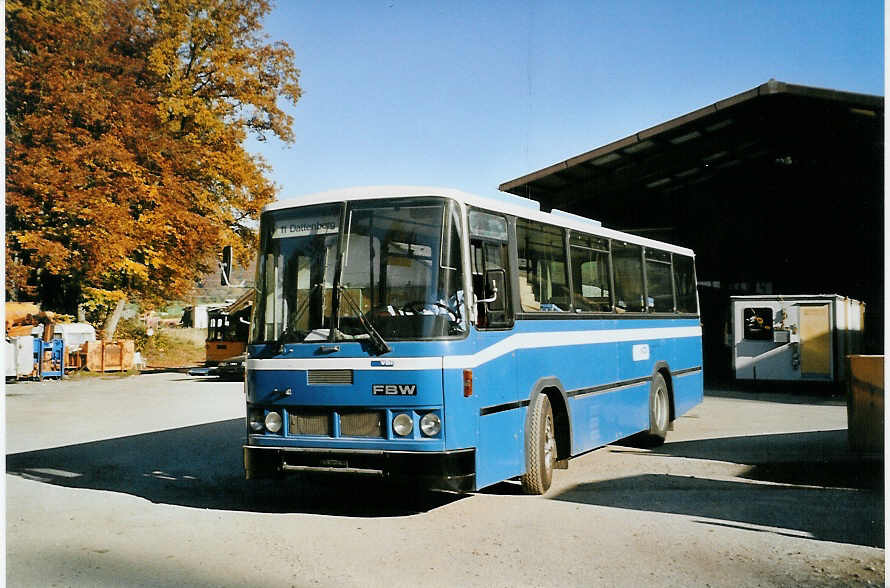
549, 444
660, 409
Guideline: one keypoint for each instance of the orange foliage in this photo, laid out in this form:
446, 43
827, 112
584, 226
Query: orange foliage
124, 128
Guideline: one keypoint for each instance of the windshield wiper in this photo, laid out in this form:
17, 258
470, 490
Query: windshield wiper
377, 341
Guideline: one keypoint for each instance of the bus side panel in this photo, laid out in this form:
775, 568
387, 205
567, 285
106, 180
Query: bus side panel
638, 359
636, 362
688, 392
632, 412
602, 418
501, 452
576, 367
687, 353
688, 385
461, 422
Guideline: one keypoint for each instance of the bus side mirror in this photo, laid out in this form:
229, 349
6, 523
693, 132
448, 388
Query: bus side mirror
225, 266
494, 289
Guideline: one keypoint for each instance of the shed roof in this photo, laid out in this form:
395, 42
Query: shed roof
697, 146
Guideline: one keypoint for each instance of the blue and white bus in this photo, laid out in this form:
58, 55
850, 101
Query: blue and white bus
458, 341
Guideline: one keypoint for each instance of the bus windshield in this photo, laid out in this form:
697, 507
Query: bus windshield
399, 274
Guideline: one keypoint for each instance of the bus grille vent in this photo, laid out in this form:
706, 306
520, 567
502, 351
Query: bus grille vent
361, 424
328, 377
309, 423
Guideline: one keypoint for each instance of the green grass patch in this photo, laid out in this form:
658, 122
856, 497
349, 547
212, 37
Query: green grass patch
161, 350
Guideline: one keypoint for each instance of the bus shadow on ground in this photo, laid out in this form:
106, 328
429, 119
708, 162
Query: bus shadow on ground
201, 467
796, 484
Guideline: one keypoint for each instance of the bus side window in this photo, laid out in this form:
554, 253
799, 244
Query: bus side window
659, 284
490, 268
543, 283
489, 265
627, 262
684, 279
591, 273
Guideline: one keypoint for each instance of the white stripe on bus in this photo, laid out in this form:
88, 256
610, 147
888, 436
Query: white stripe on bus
509, 344
566, 339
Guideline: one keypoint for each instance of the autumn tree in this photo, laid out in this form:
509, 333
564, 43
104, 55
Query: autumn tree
125, 123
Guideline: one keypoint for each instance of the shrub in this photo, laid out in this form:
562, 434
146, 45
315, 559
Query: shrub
133, 329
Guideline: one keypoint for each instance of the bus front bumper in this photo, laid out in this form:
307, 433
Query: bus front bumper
441, 470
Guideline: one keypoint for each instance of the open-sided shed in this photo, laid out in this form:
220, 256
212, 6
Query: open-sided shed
778, 189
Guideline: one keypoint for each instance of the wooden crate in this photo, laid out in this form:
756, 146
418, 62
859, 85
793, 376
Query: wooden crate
865, 403
75, 360
109, 356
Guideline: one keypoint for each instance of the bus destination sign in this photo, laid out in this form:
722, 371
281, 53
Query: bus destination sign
304, 227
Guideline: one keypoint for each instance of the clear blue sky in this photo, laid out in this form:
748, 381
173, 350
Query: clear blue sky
469, 95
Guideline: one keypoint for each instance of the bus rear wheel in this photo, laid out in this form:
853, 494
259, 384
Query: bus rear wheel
540, 448
659, 412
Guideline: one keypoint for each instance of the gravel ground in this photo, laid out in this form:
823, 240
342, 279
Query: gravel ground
138, 482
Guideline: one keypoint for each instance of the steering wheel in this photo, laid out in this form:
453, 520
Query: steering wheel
451, 311
415, 306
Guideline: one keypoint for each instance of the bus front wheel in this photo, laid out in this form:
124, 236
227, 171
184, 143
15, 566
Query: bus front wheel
540, 448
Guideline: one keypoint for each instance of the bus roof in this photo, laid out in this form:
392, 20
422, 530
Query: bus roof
513, 205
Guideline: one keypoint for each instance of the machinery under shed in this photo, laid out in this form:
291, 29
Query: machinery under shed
779, 190
795, 338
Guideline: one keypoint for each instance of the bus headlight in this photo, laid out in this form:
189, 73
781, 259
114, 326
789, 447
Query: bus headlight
255, 420
430, 424
403, 424
273, 422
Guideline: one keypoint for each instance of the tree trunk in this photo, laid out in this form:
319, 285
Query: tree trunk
110, 325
